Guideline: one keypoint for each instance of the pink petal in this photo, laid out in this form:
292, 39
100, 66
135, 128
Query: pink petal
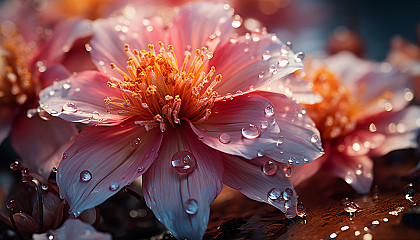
359, 142
247, 177
167, 192
108, 156
87, 91
197, 25
242, 63
40, 144
299, 141
110, 36
25, 223
356, 171
376, 82
74, 229
53, 73
61, 41
400, 129
228, 119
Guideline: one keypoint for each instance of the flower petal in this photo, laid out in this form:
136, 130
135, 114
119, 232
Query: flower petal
53, 73
359, 142
356, 171
167, 192
74, 229
87, 92
113, 156
202, 24
400, 129
7, 116
111, 35
40, 144
61, 41
247, 177
252, 60
230, 118
299, 141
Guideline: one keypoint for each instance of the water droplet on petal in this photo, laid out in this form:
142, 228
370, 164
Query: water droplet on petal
85, 176
287, 171
266, 55
301, 210
135, 142
269, 111
274, 194
70, 107
299, 57
314, 138
289, 45
264, 125
51, 92
224, 138
246, 50
54, 113
31, 112
349, 177
269, 168
50, 235
288, 204
283, 62
291, 160
11, 204
287, 194
351, 207
67, 85
260, 153
280, 141
261, 75
191, 206
184, 162
250, 131
114, 186
272, 68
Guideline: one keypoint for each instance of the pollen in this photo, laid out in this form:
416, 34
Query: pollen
16, 87
158, 90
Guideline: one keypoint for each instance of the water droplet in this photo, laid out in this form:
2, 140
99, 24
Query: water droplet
184, 162
224, 138
50, 235
272, 68
140, 169
314, 138
191, 206
85, 176
333, 235
274, 194
246, 50
135, 142
209, 55
54, 113
291, 160
261, 75
299, 57
15, 166
287, 194
280, 141
44, 187
269, 168
289, 45
11, 204
287, 171
51, 92
266, 55
301, 210
250, 131
114, 186
70, 107
351, 207
283, 62
288, 204
345, 228
31, 112
269, 111
264, 125
237, 21
260, 153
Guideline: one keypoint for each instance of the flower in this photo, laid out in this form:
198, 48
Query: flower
364, 114
73, 229
186, 122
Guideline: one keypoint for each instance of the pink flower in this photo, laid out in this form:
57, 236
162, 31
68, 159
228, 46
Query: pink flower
365, 113
186, 122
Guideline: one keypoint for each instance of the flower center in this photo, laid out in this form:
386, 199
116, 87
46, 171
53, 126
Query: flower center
15, 78
335, 115
161, 93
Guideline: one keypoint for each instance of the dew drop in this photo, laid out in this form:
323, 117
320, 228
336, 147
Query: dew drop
54, 113
246, 50
288, 204
291, 160
314, 138
224, 138
67, 85
114, 186
349, 177
11, 204
299, 57
266, 55
51, 92
301, 210
250, 131
289, 45
269, 111
260, 153
209, 55
280, 141
44, 187
31, 112
70, 107
283, 62
184, 162
287, 194
135, 142
264, 125
287, 171
261, 75
272, 68
269, 168
351, 207
191, 206
85, 176
274, 194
